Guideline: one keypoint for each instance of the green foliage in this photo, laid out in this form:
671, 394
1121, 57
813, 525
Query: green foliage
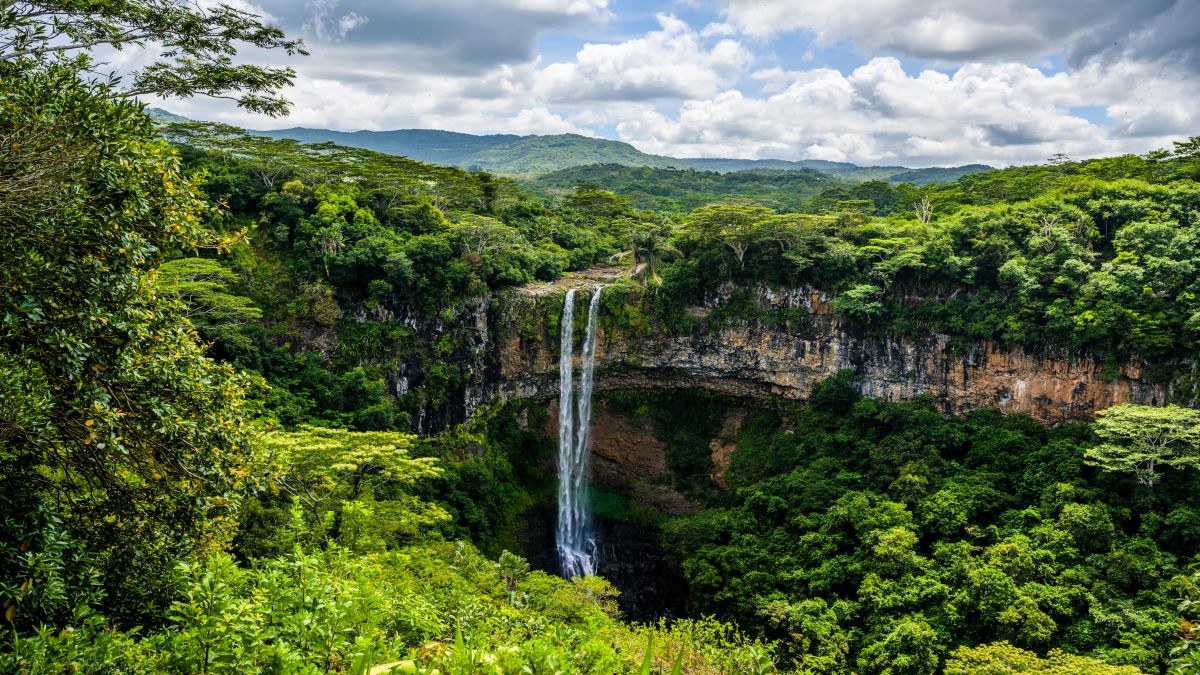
203, 286
438, 608
1002, 658
882, 537
486, 478
123, 431
646, 247
682, 190
329, 470
1093, 264
1186, 655
196, 46
1141, 439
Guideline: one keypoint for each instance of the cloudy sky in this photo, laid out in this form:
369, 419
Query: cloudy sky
915, 82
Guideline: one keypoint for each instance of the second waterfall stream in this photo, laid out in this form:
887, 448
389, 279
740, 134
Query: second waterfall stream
574, 537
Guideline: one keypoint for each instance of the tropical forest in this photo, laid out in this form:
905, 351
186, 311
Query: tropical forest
302, 400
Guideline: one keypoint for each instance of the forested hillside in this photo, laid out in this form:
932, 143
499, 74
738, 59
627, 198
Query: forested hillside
241, 427
533, 155
674, 190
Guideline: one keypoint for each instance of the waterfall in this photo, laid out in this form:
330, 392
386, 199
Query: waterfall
576, 545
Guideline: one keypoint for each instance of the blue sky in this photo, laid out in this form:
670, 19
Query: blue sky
915, 82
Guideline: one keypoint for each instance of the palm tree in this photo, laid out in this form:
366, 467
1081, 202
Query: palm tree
647, 246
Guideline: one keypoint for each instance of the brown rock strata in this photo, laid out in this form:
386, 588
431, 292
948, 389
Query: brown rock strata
751, 358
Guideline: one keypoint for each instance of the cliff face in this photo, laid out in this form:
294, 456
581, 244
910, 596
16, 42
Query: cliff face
756, 356
628, 458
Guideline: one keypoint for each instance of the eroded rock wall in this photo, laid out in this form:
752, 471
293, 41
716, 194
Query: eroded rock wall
754, 356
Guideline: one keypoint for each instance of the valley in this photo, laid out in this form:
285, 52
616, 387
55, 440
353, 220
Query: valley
437, 403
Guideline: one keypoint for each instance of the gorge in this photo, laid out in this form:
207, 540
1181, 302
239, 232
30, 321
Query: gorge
761, 341
277, 407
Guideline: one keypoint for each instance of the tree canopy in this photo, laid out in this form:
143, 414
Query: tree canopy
197, 43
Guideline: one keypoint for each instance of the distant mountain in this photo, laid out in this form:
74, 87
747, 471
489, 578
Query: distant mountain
423, 145
543, 154
161, 116
502, 153
687, 188
844, 170
535, 155
723, 165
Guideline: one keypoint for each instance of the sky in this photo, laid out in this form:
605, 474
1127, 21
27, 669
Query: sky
912, 82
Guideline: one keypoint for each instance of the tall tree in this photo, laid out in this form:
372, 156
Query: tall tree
122, 446
646, 247
1142, 439
114, 424
736, 224
197, 44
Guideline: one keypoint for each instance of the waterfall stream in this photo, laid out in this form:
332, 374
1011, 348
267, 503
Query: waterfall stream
574, 538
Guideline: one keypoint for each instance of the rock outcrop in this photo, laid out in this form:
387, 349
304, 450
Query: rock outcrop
754, 355
628, 458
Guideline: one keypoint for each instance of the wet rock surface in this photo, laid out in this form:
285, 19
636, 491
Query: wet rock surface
628, 459
630, 558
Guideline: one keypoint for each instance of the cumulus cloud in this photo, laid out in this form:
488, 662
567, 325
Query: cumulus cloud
433, 36
325, 24
539, 120
702, 90
954, 31
667, 63
878, 113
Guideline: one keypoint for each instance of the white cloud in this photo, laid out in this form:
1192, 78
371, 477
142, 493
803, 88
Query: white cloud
686, 92
539, 120
570, 7
667, 63
716, 29
1004, 113
956, 31
324, 23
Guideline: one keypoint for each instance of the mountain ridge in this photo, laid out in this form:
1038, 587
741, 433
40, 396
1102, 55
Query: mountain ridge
541, 154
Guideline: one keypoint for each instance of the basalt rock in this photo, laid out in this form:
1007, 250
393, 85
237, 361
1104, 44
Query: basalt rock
754, 354
505, 346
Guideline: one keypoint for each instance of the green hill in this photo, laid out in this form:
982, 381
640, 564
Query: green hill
534, 155
161, 116
673, 189
502, 153
937, 174
724, 165
543, 154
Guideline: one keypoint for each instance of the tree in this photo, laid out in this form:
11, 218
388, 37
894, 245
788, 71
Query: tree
1001, 658
1140, 439
327, 465
117, 432
924, 210
484, 236
646, 247
203, 285
595, 201
1189, 149
197, 43
908, 648
512, 568
1186, 655
124, 447
734, 224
